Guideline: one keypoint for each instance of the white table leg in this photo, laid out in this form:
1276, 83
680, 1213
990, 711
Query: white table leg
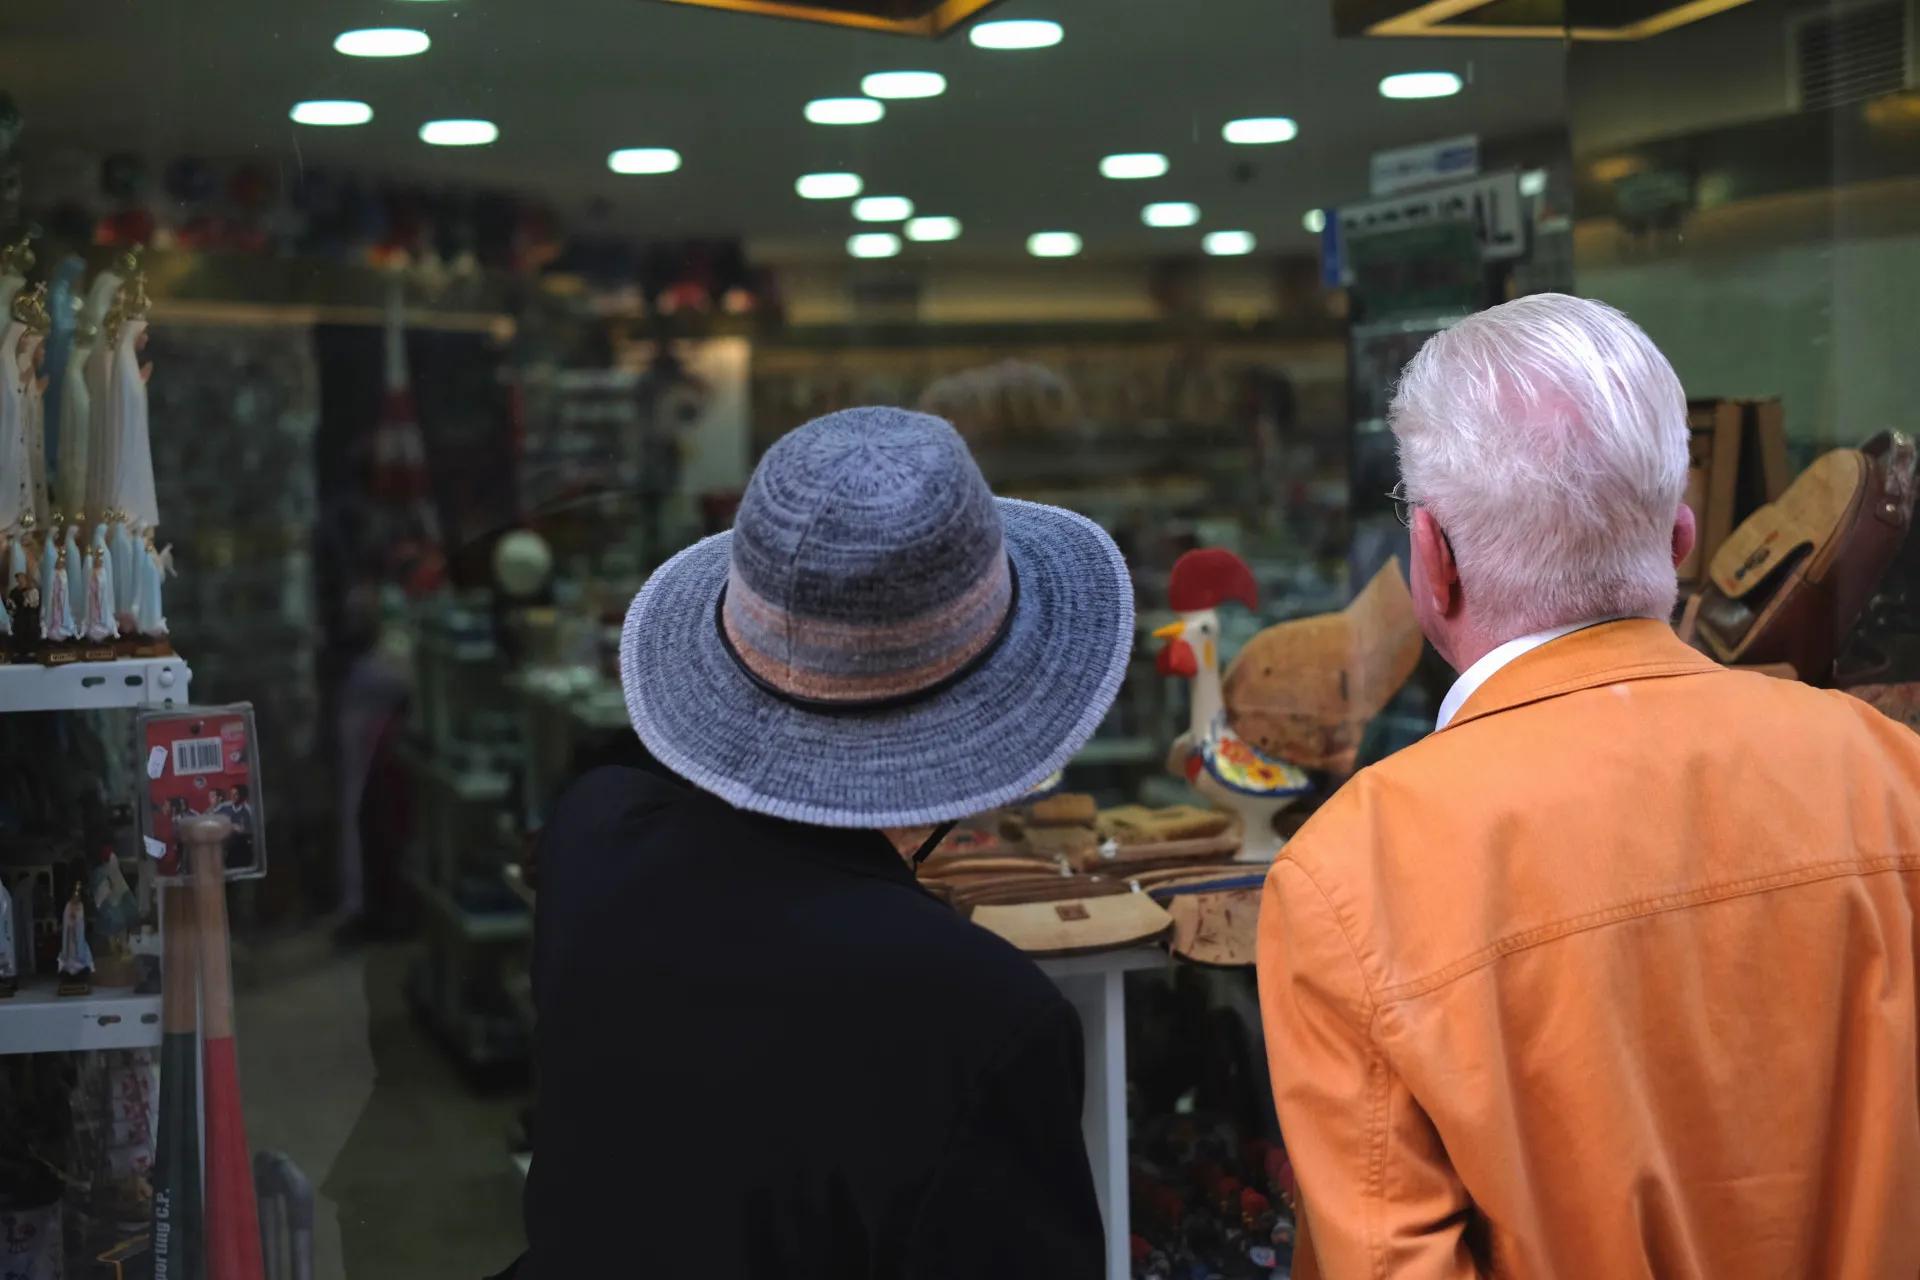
1100, 999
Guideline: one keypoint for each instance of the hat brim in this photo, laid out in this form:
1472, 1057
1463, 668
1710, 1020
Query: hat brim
987, 740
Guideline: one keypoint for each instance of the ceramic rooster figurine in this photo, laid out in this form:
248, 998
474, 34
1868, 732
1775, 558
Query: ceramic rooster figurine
1214, 760
1298, 696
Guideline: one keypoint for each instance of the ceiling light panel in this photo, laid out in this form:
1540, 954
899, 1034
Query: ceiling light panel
459, 133
331, 111
927, 230
1228, 244
1138, 164
644, 160
883, 209
1027, 34
873, 244
845, 110
1257, 131
1171, 213
904, 84
828, 186
1053, 244
382, 42
1410, 85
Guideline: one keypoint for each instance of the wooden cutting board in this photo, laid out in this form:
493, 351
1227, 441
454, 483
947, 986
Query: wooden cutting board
1077, 926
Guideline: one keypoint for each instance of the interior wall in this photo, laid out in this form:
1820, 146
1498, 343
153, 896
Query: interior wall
1726, 69
1016, 292
1826, 326
1812, 296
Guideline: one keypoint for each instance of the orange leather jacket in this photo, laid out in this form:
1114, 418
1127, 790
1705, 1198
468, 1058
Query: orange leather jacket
1613, 977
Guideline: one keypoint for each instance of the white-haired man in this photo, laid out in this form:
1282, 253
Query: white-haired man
1614, 975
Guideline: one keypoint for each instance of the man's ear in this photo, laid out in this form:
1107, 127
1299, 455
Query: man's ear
1685, 534
1435, 554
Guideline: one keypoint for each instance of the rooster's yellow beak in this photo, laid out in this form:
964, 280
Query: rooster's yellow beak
1172, 631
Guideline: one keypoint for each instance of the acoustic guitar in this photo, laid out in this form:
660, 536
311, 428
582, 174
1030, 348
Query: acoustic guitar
1789, 584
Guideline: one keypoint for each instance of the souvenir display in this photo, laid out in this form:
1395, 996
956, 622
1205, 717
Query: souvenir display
1207, 1203
116, 917
201, 762
1789, 584
1076, 926
1303, 691
1216, 915
128, 501
1297, 697
76, 956
18, 503
1213, 759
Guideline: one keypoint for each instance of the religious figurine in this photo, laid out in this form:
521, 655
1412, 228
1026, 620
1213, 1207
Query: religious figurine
100, 629
18, 513
56, 602
76, 957
23, 605
9, 971
129, 501
115, 917
150, 619
103, 312
29, 310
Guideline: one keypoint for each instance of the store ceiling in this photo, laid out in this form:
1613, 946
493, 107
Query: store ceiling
1010, 149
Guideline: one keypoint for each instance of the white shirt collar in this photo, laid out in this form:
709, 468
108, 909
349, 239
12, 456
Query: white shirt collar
1480, 672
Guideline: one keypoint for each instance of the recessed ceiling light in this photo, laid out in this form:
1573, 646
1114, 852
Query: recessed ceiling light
1053, 244
828, 186
1228, 244
927, 229
382, 42
873, 244
904, 84
1259, 130
883, 209
458, 133
1143, 164
1420, 84
1170, 213
1027, 34
845, 110
331, 111
1314, 220
644, 160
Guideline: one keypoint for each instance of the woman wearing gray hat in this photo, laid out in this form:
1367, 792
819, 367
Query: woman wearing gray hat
763, 1049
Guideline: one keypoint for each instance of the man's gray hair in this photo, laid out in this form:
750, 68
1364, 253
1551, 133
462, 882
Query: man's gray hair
1548, 438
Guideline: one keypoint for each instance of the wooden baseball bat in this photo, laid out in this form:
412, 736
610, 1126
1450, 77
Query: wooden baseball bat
233, 1215
177, 1240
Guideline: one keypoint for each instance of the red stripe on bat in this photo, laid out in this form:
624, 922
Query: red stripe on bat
233, 1216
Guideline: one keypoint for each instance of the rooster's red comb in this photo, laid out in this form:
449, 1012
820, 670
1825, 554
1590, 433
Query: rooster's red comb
1208, 578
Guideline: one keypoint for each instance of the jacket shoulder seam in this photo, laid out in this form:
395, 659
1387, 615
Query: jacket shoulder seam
1658, 904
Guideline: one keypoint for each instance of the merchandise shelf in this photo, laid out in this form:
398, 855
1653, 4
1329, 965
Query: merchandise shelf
37, 1020
92, 686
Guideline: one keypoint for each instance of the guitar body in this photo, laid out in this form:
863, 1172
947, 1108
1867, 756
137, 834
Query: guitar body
1788, 585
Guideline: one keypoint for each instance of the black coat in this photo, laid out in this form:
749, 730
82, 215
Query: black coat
765, 1052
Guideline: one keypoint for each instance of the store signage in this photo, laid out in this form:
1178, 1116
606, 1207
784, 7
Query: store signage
1610, 20
1428, 165
1491, 203
930, 18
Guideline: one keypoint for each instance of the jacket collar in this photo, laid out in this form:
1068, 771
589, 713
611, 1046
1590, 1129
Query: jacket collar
1613, 652
861, 853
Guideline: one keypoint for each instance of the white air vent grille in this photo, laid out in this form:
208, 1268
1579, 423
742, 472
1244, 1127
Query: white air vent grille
1851, 54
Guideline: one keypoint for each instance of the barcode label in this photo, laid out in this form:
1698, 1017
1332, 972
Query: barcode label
198, 755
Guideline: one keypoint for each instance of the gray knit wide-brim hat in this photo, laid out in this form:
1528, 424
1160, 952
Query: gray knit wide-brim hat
879, 642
